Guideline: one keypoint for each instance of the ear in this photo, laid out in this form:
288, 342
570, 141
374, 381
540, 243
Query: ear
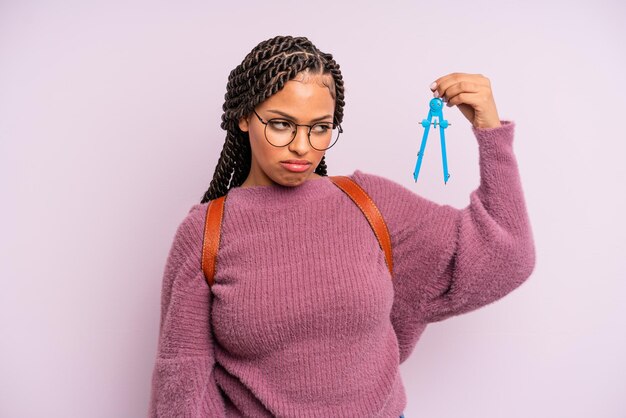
244, 124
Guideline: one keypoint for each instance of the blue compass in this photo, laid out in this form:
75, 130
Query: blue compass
436, 111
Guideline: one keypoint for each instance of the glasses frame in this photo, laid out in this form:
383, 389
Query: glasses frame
335, 125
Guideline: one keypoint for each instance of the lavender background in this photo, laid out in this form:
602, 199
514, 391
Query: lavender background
109, 132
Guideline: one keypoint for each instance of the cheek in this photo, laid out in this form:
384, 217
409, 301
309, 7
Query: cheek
260, 148
253, 136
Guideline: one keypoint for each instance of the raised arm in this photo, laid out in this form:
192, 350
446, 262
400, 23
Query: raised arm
448, 261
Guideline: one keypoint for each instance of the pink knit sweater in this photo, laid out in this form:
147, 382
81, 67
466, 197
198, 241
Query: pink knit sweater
304, 319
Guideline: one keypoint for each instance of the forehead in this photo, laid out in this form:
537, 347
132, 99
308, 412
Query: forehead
304, 97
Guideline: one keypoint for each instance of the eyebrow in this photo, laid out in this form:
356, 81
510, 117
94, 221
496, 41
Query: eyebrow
292, 118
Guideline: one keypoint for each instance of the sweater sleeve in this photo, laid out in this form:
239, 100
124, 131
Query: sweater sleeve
183, 383
449, 261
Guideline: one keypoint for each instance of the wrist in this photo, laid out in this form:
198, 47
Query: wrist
488, 124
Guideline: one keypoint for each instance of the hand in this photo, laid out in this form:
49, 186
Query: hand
472, 94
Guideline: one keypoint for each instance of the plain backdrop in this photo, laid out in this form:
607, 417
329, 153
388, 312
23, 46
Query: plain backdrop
110, 131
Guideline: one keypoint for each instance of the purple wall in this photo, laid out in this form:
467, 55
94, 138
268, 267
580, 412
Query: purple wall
110, 131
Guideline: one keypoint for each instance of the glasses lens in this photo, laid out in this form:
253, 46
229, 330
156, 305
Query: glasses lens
280, 132
323, 136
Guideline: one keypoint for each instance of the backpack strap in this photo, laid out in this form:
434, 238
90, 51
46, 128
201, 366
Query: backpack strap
215, 213
211, 239
371, 212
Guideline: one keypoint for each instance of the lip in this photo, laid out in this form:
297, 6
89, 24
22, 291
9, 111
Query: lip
300, 162
296, 166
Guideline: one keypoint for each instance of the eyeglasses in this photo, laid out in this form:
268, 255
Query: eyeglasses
280, 132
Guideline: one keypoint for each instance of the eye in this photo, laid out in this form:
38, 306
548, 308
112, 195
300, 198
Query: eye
280, 125
321, 128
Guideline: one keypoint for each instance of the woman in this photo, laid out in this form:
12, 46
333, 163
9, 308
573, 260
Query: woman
303, 318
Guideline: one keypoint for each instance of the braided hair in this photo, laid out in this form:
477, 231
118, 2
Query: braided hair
263, 72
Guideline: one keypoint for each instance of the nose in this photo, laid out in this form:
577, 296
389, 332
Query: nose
300, 144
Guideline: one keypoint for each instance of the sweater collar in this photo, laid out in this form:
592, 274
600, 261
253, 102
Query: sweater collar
277, 196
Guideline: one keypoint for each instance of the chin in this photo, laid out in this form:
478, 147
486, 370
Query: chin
294, 179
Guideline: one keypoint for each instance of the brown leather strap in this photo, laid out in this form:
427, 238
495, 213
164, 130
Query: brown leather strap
371, 212
211, 240
215, 212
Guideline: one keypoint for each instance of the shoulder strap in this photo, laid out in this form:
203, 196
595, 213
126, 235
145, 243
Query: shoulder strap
212, 234
215, 212
371, 212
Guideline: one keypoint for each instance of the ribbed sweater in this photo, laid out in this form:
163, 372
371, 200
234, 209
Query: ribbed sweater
304, 318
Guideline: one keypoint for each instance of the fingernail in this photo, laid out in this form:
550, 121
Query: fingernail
433, 86
436, 93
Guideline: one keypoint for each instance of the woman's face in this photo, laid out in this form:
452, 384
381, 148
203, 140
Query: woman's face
303, 100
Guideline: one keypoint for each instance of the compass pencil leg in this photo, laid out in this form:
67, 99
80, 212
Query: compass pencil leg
420, 154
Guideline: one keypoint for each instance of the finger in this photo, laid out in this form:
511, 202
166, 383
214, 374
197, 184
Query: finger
443, 83
466, 80
476, 78
458, 88
447, 77
476, 100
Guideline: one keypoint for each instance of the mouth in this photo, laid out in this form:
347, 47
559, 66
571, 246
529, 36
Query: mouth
299, 162
296, 166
